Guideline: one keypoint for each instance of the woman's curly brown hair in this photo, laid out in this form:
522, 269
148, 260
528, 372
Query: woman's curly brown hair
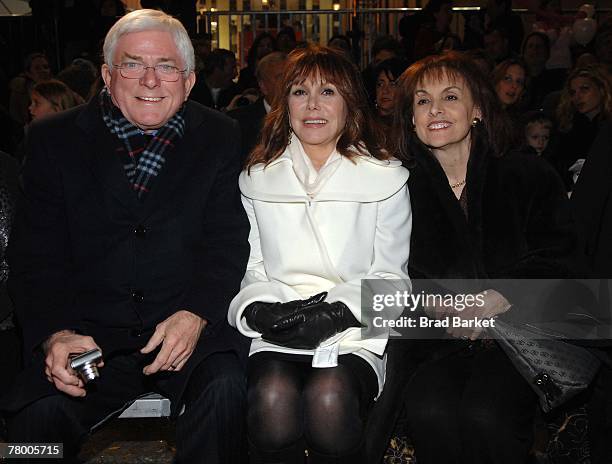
500, 71
455, 66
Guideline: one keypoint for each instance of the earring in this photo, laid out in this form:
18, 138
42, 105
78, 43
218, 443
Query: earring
475, 122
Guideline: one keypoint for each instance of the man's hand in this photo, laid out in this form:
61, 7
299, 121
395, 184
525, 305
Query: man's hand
178, 335
58, 348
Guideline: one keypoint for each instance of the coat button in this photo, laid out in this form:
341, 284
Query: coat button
136, 333
140, 231
137, 296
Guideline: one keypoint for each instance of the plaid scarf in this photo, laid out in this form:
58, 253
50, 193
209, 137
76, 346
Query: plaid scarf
143, 157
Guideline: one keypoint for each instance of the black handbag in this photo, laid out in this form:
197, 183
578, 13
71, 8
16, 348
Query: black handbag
556, 369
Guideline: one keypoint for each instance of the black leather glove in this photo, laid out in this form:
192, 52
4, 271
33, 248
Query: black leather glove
262, 316
307, 327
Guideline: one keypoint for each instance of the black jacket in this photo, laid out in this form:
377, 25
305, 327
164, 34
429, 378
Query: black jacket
592, 205
86, 254
576, 144
202, 94
518, 224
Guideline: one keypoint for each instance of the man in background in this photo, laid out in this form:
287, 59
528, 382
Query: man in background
269, 74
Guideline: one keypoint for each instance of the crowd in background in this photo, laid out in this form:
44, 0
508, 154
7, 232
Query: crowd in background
535, 68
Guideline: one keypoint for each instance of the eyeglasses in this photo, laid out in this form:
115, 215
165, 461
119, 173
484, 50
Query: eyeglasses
164, 72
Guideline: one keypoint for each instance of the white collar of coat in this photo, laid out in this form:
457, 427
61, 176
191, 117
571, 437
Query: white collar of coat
363, 179
311, 179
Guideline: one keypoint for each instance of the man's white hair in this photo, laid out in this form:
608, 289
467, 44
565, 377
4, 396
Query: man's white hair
150, 20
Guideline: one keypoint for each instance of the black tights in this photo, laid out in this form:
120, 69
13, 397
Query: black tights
293, 407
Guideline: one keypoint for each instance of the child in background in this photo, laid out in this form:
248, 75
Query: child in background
538, 130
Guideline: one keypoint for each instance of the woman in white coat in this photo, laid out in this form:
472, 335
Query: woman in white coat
328, 209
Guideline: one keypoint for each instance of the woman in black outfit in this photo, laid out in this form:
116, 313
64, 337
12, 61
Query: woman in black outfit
535, 53
510, 82
481, 216
586, 101
262, 45
387, 72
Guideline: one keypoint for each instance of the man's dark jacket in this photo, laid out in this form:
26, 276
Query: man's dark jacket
87, 255
201, 93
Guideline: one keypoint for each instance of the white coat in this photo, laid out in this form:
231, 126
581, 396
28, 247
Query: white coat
356, 227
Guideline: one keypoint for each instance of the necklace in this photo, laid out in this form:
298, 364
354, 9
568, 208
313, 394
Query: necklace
457, 185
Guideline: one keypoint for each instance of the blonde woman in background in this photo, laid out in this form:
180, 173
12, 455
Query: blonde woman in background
50, 97
585, 102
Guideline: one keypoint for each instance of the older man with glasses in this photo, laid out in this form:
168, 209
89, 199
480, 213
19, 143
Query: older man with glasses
131, 239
